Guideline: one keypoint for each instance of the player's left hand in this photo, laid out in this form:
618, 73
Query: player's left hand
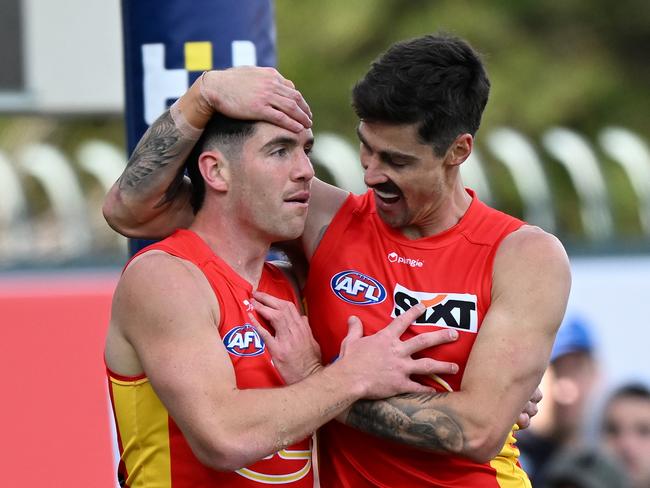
295, 352
530, 409
256, 93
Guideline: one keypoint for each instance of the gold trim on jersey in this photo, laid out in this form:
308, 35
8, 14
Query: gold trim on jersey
509, 473
441, 382
276, 479
137, 408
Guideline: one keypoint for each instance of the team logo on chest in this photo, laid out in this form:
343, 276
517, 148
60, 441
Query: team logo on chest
244, 341
357, 288
454, 310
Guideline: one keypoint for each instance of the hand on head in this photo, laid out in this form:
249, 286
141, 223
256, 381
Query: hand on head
255, 93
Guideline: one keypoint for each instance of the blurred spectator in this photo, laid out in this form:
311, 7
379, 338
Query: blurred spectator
583, 468
567, 387
626, 431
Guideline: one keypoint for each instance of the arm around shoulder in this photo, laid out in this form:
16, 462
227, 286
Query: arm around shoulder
151, 197
324, 202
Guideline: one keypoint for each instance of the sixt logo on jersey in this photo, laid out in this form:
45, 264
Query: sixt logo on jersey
455, 310
244, 341
357, 288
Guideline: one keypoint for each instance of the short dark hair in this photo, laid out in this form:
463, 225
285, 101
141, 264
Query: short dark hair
223, 133
437, 81
630, 390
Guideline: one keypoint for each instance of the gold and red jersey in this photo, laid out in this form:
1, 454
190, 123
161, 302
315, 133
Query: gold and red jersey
365, 268
153, 450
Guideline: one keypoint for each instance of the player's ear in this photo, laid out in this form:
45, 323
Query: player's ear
215, 169
460, 149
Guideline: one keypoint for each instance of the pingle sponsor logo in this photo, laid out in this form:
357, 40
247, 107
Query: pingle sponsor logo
357, 288
452, 310
393, 257
244, 341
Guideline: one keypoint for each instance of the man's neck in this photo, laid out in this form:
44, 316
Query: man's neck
240, 248
451, 208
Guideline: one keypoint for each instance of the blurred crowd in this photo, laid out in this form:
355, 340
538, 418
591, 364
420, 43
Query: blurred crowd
583, 436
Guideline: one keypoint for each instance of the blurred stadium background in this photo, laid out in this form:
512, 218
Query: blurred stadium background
564, 145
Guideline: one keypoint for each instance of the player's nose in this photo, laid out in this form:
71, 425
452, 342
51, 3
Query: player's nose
302, 168
372, 174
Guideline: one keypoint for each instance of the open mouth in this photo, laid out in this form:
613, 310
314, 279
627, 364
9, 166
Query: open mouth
387, 197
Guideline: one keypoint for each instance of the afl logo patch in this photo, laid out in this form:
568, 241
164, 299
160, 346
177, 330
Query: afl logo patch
357, 288
244, 341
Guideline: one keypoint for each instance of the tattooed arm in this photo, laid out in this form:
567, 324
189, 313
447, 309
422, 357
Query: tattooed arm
409, 418
530, 289
151, 197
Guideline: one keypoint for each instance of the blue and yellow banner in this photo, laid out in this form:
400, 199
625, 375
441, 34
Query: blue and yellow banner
168, 44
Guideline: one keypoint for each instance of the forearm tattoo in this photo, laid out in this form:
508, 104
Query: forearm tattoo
409, 419
161, 145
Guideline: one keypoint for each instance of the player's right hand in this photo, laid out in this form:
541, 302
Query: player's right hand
383, 361
256, 93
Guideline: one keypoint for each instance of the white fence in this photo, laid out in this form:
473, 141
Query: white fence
72, 186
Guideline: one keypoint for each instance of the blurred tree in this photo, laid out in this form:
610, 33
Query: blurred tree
574, 63
582, 65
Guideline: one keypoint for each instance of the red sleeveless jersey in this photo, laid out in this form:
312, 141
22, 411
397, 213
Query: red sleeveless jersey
365, 268
153, 451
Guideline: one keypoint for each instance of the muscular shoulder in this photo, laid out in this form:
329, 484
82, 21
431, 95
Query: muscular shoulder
532, 245
529, 261
157, 286
162, 271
